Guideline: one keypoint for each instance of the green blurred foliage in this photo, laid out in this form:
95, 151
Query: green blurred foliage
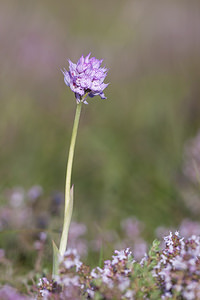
129, 150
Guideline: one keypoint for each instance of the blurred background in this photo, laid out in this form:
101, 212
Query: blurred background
129, 152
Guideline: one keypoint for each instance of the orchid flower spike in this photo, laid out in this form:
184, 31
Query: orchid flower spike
86, 78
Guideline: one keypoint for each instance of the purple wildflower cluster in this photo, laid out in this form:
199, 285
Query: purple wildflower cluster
178, 268
110, 282
114, 276
86, 78
170, 273
133, 273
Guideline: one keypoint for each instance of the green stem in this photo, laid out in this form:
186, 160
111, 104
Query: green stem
67, 215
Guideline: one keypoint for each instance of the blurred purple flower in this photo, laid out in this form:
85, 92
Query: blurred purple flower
191, 163
17, 197
9, 293
2, 253
132, 227
35, 192
77, 239
86, 78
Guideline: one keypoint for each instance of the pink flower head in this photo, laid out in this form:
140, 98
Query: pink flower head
86, 78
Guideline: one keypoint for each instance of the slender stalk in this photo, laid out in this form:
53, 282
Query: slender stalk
68, 195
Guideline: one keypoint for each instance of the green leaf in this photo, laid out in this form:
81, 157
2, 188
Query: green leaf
56, 256
67, 220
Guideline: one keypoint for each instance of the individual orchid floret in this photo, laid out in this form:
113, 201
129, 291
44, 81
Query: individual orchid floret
86, 78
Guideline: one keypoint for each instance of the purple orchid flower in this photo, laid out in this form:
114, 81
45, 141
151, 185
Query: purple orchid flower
86, 78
